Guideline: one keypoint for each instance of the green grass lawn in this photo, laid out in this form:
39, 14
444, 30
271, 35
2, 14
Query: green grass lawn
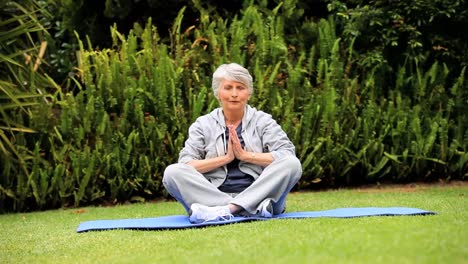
50, 237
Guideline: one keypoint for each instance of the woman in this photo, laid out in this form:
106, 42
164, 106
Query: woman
237, 160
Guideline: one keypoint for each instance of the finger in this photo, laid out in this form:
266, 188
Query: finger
236, 143
230, 149
233, 137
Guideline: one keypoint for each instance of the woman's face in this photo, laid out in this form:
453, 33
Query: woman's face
233, 95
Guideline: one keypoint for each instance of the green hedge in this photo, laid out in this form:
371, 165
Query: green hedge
111, 138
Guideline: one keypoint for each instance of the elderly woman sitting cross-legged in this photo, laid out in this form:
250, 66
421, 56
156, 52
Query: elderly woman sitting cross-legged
237, 160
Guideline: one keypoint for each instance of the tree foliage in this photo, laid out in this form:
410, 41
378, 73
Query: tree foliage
390, 33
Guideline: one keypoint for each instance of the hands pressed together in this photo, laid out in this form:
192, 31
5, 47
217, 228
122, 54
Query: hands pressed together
235, 149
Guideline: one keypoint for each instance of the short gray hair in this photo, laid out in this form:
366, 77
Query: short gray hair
231, 72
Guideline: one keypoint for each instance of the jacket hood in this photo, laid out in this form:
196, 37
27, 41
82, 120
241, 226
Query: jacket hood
218, 116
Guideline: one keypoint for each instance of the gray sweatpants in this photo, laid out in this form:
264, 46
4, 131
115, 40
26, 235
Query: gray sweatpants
189, 186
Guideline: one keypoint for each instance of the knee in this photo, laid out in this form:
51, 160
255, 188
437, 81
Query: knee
293, 165
172, 173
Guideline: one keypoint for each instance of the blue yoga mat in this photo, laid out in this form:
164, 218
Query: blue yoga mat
182, 221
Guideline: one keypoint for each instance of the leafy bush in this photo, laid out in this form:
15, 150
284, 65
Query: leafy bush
23, 91
392, 33
111, 138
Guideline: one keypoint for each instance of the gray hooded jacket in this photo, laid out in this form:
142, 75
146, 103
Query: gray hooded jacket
261, 133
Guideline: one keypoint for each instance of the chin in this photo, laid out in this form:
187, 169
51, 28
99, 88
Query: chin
236, 107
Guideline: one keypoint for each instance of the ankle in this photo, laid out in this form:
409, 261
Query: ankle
234, 208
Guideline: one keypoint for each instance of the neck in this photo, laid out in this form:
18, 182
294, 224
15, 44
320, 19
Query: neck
233, 118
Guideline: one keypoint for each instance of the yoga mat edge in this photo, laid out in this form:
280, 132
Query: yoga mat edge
182, 221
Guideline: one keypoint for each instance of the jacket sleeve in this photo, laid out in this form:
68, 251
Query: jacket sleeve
194, 148
274, 139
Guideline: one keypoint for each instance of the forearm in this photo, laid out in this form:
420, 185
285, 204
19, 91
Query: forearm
206, 165
262, 159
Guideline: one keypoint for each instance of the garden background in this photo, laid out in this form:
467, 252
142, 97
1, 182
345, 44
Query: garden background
96, 98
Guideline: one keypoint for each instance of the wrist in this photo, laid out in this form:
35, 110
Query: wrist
227, 158
252, 156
